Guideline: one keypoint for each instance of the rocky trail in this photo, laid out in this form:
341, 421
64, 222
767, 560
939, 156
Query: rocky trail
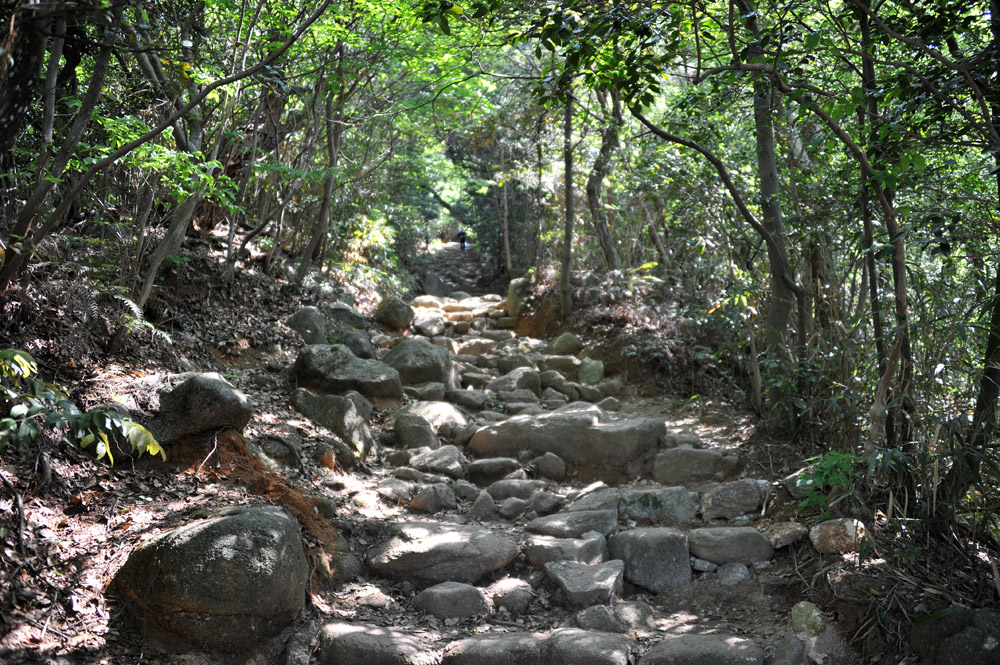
465, 495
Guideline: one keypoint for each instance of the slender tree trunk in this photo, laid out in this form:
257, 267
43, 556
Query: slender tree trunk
565, 296
595, 182
965, 466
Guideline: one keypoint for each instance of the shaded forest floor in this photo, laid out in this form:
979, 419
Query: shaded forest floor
82, 518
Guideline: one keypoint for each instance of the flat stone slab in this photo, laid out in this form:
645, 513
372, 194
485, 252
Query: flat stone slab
448, 460
704, 650
541, 550
574, 525
496, 649
579, 436
630, 617
662, 505
439, 552
730, 544
731, 500
678, 466
514, 487
343, 643
491, 469
656, 558
573, 646
585, 585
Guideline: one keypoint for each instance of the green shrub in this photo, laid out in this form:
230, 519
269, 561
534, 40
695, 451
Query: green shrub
828, 472
31, 406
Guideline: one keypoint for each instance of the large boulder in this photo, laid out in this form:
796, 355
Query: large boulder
394, 314
418, 361
310, 324
188, 587
340, 416
439, 552
344, 316
959, 636
333, 369
730, 544
198, 404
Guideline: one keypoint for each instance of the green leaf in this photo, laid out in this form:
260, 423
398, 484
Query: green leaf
443, 22
812, 40
18, 410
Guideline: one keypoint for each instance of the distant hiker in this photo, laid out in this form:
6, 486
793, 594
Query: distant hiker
461, 238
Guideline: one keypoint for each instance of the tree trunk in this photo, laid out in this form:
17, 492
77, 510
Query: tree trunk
565, 296
595, 182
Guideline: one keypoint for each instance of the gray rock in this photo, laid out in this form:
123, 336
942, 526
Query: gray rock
591, 371
511, 594
407, 473
448, 460
473, 400
959, 637
732, 544
394, 490
485, 471
731, 500
394, 314
783, 534
431, 391
418, 361
361, 403
333, 369
541, 550
566, 344
437, 413
496, 649
340, 416
519, 396
577, 436
662, 505
731, 574
199, 403
343, 643
790, 650
465, 490
611, 387
572, 525
584, 585
344, 316
521, 377
512, 507
610, 404
356, 340
433, 499
553, 380
678, 466
544, 503
605, 498
589, 393
453, 599
429, 325
567, 366
518, 292
188, 585
550, 466
509, 363
506, 488
413, 431
572, 646
439, 552
714, 649
484, 508
309, 323
655, 558
837, 536
632, 617
703, 566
